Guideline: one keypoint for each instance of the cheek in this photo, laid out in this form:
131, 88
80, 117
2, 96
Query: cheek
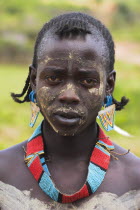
94, 102
44, 98
94, 91
95, 98
98, 93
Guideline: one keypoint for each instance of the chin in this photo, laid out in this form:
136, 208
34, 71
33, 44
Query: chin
67, 128
66, 132
69, 131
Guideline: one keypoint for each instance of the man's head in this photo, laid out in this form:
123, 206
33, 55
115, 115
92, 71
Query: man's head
75, 24
72, 71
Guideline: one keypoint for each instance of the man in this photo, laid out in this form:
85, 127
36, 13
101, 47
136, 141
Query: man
69, 157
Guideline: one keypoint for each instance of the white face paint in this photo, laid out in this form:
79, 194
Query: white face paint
94, 91
47, 59
90, 98
70, 55
44, 96
44, 88
68, 87
102, 78
98, 91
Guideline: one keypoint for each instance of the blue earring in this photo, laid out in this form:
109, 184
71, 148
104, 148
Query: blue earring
106, 116
108, 101
34, 108
32, 96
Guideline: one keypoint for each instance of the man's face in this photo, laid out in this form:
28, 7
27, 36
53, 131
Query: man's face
70, 82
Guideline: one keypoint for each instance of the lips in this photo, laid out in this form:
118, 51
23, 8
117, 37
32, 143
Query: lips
67, 118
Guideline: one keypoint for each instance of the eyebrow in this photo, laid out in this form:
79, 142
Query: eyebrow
55, 69
88, 71
61, 70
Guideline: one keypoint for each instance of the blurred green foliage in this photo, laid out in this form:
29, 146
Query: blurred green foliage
21, 21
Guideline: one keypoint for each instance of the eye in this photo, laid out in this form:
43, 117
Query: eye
54, 79
89, 82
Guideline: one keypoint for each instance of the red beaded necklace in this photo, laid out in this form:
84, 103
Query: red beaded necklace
98, 165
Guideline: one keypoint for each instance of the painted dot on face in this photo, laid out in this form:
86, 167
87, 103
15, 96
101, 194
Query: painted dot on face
70, 55
47, 59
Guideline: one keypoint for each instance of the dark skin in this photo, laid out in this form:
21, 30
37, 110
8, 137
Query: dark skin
71, 83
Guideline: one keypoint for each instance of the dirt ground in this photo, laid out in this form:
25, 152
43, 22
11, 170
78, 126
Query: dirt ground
14, 199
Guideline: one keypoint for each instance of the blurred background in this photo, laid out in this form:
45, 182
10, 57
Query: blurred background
20, 23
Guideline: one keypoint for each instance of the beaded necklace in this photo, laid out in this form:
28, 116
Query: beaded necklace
98, 165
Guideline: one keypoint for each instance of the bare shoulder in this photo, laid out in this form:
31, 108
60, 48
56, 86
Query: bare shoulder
126, 155
13, 151
131, 165
9, 159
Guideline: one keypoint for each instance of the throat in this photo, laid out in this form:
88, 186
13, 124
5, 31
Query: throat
69, 177
78, 147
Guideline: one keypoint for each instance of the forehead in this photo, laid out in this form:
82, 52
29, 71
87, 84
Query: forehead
91, 48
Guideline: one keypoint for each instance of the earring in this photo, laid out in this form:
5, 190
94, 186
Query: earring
34, 108
106, 116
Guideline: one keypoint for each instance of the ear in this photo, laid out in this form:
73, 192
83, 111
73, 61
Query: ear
111, 77
33, 72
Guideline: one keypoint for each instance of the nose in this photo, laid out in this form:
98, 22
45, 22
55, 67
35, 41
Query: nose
69, 96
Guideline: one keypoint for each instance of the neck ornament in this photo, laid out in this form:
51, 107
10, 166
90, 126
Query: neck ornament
98, 165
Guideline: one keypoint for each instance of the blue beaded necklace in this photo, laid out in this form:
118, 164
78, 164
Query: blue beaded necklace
98, 165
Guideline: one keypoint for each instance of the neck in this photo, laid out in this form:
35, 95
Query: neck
69, 147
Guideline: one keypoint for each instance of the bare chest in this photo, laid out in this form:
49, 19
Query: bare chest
68, 178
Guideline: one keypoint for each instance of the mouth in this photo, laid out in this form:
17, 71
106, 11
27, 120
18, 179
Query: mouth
67, 118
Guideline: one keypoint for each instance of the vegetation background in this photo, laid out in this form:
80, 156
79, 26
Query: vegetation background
20, 23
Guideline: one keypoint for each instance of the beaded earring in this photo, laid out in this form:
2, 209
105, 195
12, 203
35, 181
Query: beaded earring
34, 108
106, 115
